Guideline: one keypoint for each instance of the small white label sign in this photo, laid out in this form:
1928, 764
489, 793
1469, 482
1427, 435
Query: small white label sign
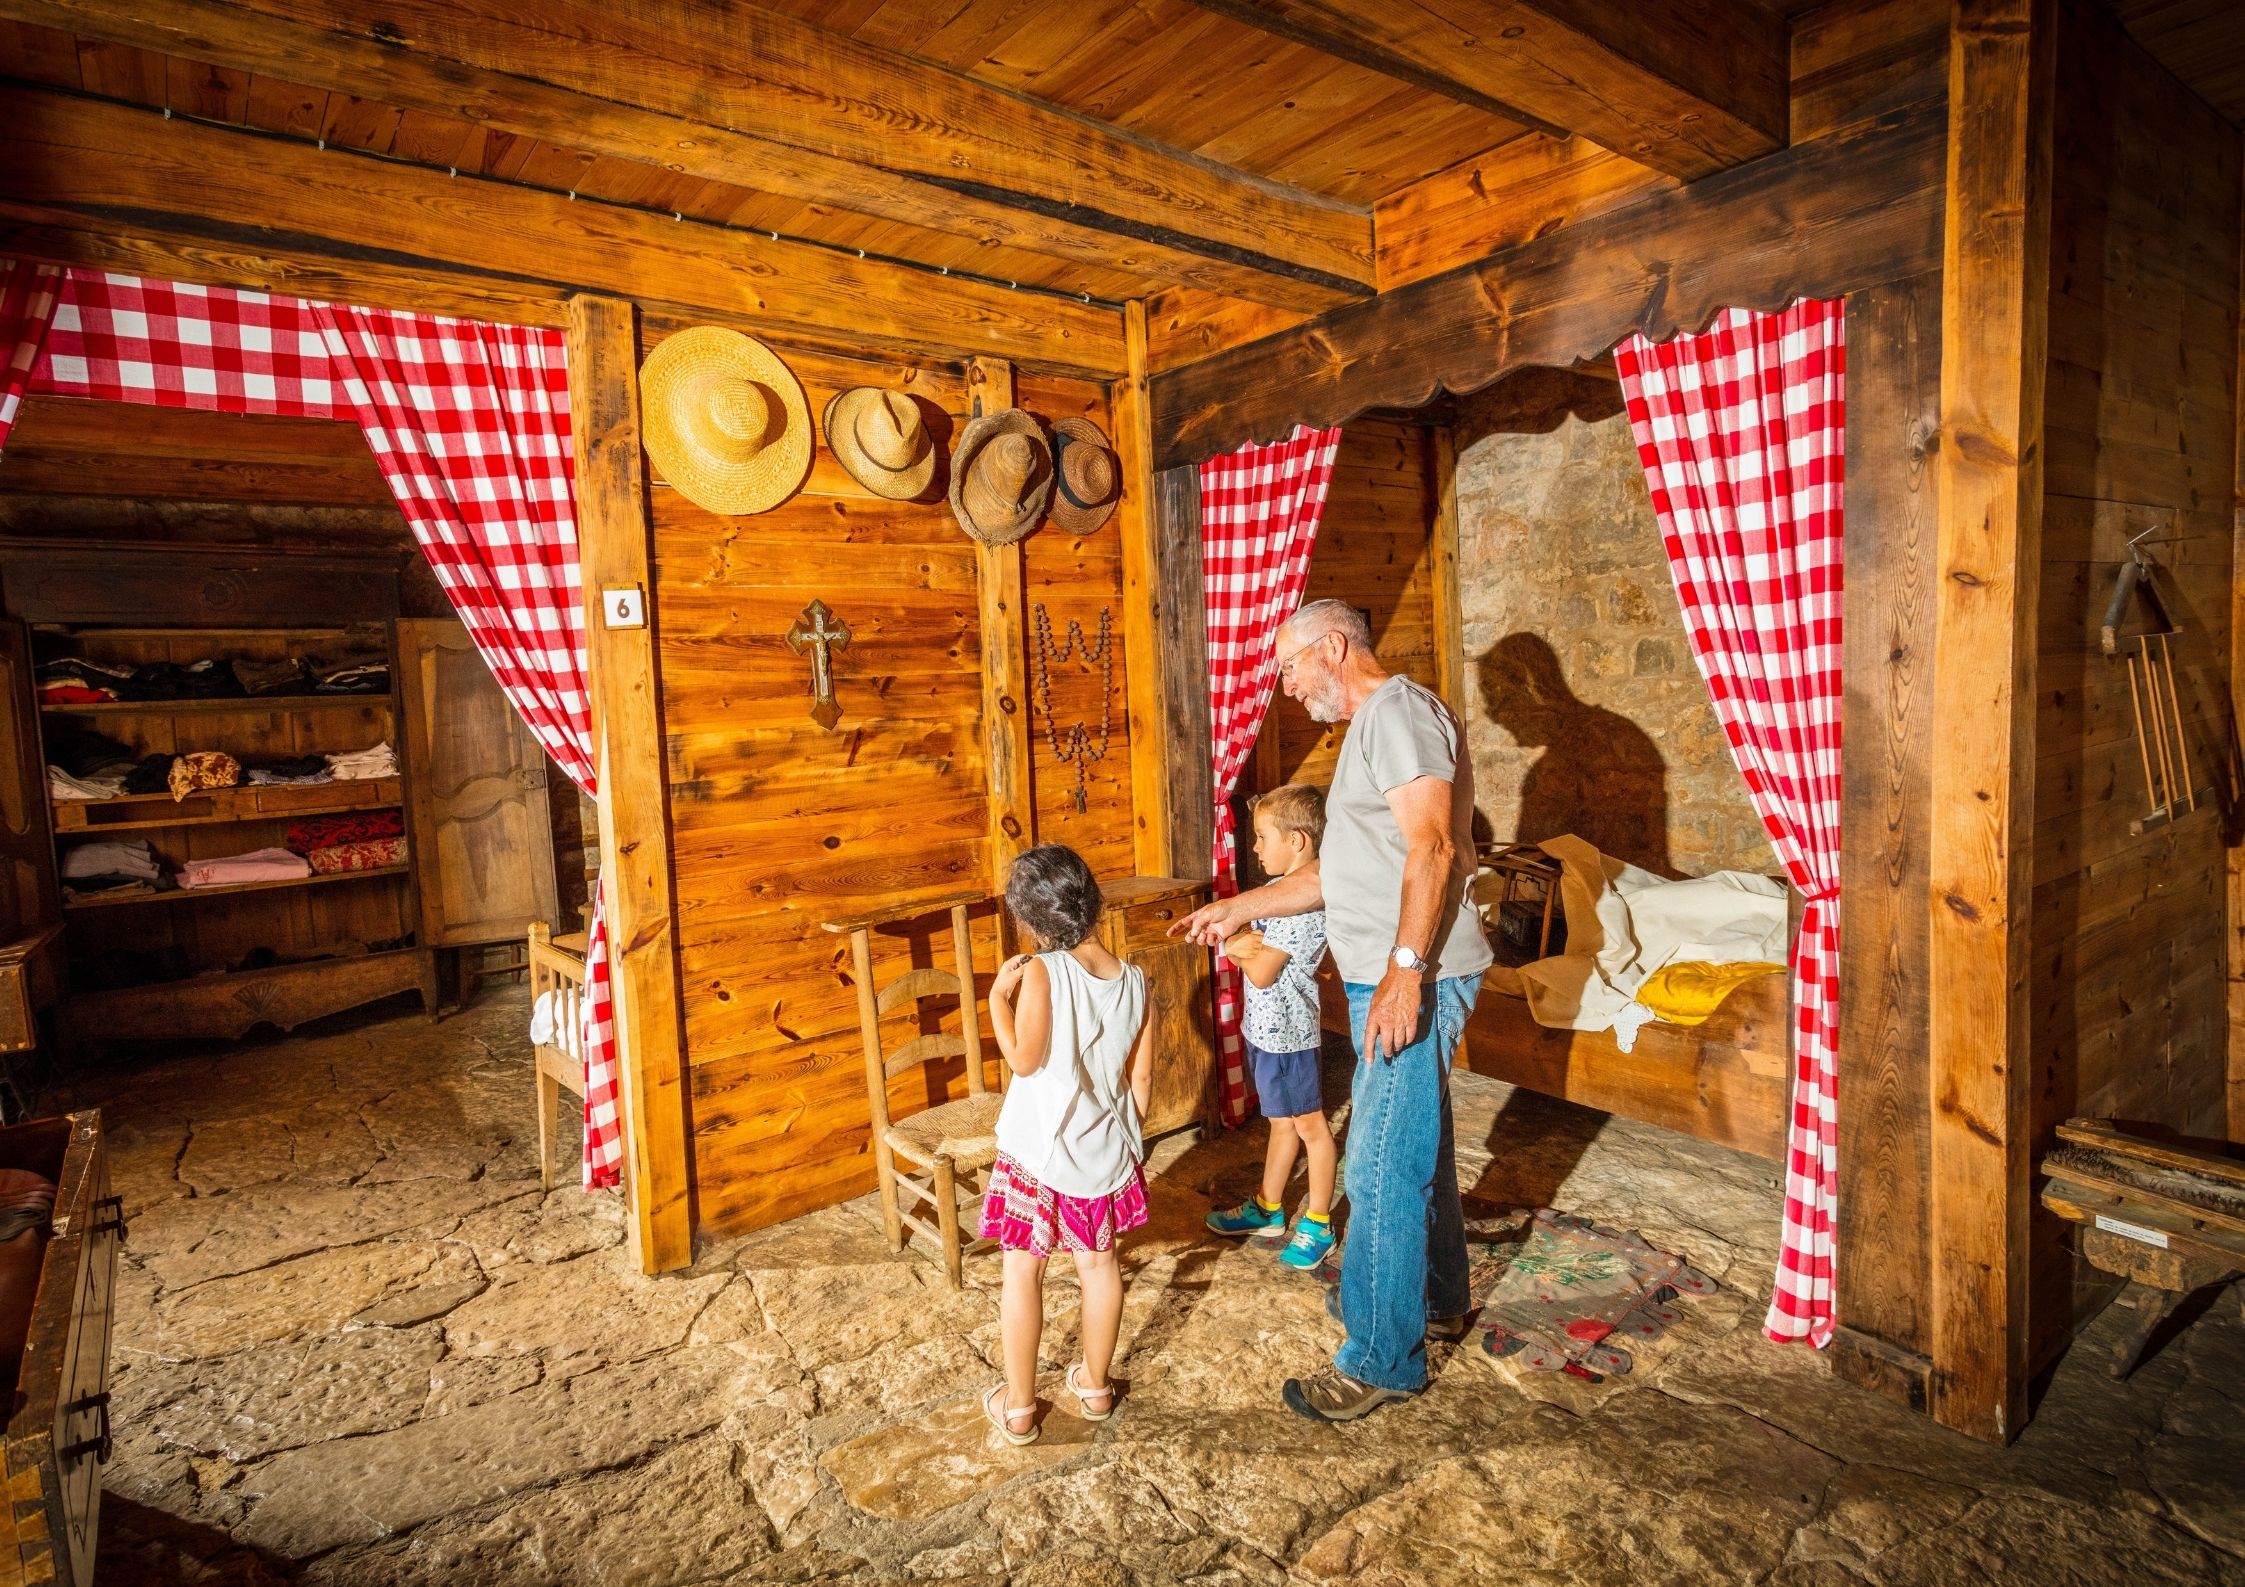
2132, 1231
625, 608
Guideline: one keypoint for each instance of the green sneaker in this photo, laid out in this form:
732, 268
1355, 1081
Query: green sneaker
1249, 1217
1308, 1247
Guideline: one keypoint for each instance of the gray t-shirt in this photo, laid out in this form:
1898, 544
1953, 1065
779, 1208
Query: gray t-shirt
1403, 732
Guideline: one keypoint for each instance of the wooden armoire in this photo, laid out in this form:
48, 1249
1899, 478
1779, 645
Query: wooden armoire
470, 784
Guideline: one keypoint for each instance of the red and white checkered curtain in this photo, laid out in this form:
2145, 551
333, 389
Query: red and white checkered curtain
1742, 432
1259, 512
27, 307
469, 424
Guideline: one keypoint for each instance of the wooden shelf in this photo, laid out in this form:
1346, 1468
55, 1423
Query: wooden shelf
208, 807
268, 704
99, 901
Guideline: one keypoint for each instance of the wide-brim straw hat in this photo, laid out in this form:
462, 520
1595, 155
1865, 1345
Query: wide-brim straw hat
1001, 477
725, 420
1087, 476
882, 439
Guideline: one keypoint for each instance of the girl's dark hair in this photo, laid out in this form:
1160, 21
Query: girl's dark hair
1054, 894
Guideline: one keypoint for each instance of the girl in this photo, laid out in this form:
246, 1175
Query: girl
1070, 1022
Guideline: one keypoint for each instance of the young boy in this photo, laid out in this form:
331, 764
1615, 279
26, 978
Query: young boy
1278, 959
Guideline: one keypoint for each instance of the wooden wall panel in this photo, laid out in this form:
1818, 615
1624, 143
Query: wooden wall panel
779, 824
2128, 1005
1374, 550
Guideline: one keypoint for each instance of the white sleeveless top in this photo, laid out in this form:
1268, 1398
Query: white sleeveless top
1072, 1123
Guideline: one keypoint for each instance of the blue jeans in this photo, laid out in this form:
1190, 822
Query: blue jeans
1406, 1260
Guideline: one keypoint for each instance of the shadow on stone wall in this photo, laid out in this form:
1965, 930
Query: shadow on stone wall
1600, 775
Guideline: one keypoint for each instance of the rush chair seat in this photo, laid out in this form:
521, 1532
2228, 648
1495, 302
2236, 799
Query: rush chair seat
926, 1159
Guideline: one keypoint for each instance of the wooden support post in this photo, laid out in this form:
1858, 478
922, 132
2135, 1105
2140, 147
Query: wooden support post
2231, 753
1005, 651
613, 540
1146, 677
1994, 324
1442, 562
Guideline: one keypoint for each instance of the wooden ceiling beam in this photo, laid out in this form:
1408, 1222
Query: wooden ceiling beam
85, 181
1823, 218
757, 99
1688, 87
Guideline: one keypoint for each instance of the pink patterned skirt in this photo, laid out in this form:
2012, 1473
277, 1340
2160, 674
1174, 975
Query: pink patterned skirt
1022, 1215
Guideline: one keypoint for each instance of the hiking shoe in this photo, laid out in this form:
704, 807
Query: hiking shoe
1440, 1330
1334, 1396
1246, 1218
1308, 1247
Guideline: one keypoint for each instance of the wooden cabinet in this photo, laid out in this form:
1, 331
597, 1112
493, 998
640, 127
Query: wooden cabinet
479, 793
58, 1437
1180, 993
215, 961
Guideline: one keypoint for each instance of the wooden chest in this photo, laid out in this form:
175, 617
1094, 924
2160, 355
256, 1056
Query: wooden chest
57, 1436
1180, 993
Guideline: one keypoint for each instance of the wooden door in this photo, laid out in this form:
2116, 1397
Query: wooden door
29, 900
476, 780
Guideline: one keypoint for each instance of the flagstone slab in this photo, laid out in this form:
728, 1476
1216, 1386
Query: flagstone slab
920, 1468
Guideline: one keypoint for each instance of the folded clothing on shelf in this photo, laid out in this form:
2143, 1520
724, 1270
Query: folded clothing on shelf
373, 854
152, 775
73, 680
352, 677
258, 865
61, 785
289, 676
287, 768
380, 761
182, 680
132, 860
266, 777
82, 752
203, 768
347, 826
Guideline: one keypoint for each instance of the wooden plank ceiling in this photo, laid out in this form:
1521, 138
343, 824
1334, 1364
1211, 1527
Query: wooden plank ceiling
1235, 150
1242, 164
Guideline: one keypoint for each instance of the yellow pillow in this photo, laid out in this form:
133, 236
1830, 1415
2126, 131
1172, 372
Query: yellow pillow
1686, 992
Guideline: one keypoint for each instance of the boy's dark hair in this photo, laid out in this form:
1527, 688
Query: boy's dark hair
1053, 893
1294, 807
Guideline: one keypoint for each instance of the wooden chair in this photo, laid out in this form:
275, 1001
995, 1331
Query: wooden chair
946, 1147
557, 966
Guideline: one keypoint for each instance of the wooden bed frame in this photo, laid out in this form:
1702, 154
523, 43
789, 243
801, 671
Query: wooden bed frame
1727, 1080
557, 965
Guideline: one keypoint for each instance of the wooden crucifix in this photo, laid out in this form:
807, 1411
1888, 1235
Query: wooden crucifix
814, 633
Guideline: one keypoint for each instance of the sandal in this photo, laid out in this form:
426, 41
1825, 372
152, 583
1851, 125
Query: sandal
1001, 1417
1085, 1396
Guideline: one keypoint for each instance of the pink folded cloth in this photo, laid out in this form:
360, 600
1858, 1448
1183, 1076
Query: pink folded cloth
259, 865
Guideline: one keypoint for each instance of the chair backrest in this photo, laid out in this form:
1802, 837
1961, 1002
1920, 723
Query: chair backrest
875, 1003
561, 973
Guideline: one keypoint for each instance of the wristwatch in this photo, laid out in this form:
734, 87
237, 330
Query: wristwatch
1404, 959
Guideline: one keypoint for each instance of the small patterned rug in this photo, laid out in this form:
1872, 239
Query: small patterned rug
1557, 1293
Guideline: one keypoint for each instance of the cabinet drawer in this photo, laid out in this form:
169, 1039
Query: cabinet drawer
1144, 908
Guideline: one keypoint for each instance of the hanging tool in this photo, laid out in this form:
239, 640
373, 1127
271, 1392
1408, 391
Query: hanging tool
2152, 697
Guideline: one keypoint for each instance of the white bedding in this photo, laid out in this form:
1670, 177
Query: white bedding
543, 1033
1624, 923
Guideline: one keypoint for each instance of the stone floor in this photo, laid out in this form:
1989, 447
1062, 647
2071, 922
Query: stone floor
355, 1345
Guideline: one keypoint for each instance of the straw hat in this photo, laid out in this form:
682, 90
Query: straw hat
1088, 479
1001, 477
882, 440
725, 420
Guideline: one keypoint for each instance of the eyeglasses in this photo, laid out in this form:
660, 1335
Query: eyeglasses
1286, 667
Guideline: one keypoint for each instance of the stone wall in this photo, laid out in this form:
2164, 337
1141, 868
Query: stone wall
1585, 711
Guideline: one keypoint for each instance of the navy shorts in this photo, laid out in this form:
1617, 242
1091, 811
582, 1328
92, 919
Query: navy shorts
1286, 1082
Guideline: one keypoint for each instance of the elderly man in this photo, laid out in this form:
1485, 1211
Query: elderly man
1392, 880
